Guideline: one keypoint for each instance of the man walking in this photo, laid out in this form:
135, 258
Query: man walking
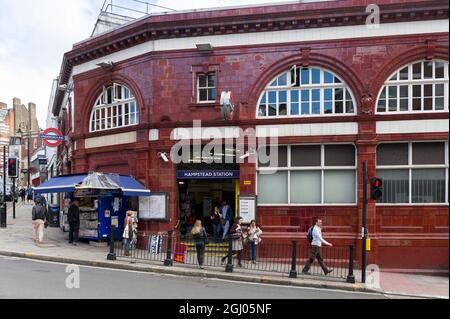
227, 213
39, 217
73, 217
315, 236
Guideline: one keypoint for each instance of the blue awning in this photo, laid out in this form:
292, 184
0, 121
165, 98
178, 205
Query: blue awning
130, 186
66, 184
61, 184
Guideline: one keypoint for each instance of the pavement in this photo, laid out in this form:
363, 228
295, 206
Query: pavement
15, 241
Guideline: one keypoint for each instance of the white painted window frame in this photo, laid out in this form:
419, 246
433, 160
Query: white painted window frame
118, 104
410, 83
322, 168
207, 87
303, 87
410, 167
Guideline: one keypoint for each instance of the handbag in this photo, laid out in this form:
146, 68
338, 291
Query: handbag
126, 232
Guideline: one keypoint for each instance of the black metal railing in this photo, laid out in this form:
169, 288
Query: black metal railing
285, 258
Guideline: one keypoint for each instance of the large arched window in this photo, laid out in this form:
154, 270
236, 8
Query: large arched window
310, 91
418, 87
115, 107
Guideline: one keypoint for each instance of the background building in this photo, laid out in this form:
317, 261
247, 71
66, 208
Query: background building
339, 92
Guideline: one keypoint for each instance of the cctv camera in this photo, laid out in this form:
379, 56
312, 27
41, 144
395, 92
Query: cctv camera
164, 157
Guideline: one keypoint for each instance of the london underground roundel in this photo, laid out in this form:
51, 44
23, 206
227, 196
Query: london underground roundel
52, 137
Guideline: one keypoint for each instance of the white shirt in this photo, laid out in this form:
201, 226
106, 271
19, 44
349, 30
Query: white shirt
317, 237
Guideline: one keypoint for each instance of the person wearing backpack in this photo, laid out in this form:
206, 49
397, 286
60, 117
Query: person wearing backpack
314, 236
237, 237
201, 240
39, 220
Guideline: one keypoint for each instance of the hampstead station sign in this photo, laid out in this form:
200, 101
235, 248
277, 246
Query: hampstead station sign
208, 174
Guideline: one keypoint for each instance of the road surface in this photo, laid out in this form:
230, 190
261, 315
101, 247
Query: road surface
23, 278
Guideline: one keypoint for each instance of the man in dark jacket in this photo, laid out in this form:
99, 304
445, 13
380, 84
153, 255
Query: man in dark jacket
227, 213
73, 217
39, 217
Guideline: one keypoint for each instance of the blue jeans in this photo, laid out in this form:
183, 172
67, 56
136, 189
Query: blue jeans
252, 250
226, 228
216, 231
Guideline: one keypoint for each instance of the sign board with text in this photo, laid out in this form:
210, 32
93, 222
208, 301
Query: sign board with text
248, 208
154, 207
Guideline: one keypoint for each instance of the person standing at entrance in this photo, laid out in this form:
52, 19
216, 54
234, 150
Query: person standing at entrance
254, 239
227, 213
216, 222
39, 217
73, 217
315, 236
201, 240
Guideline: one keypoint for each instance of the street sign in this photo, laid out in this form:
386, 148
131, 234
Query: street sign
42, 161
52, 137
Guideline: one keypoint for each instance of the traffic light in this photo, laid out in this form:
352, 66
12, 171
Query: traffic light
13, 167
376, 188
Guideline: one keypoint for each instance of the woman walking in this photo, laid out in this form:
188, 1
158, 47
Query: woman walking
130, 232
237, 238
254, 238
201, 240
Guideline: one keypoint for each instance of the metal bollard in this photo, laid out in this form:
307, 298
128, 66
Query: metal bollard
351, 276
293, 272
169, 261
112, 253
229, 266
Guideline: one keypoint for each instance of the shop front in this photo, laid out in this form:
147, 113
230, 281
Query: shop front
103, 200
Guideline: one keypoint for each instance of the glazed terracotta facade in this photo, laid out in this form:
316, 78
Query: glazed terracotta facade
406, 236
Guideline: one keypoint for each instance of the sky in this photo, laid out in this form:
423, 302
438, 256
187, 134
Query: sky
35, 34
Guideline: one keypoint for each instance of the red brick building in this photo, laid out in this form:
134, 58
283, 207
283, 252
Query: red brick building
339, 92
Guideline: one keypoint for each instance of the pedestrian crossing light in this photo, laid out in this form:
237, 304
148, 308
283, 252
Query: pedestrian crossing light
376, 188
13, 167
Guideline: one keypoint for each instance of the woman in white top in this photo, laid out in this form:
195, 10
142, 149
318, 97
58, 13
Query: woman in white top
254, 238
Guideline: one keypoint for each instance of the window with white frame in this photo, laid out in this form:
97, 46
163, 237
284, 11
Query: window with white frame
306, 92
414, 172
307, 174
418, 87
206, 88
115, 107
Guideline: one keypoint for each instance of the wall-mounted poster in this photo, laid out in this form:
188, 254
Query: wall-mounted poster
154, 207
247, 208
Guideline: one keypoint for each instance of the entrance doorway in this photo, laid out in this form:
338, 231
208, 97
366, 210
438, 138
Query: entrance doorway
199, 197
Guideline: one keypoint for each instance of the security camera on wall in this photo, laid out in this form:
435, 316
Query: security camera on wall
164, 157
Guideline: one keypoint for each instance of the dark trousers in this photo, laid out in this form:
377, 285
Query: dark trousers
74, 229
316, 252
200, 253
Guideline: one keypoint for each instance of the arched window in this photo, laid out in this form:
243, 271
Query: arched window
418, 87
310, 91
115, 107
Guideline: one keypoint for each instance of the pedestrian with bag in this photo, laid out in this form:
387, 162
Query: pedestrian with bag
237, 237
216, 222
73, 217
314, 236
129, 232
201, 240
254, 239
39, 221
